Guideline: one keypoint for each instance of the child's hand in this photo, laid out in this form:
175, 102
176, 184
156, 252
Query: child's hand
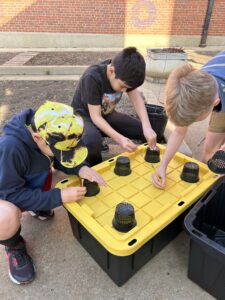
127, 144
159, 178
222, 147
150, 136
73, 194
91, 175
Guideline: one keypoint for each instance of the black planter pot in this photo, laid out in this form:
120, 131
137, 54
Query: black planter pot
122, 167
152, 156
92, 188
158, 119
190, 172
124, 218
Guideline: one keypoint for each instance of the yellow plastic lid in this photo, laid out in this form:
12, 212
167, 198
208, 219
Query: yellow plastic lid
154, 208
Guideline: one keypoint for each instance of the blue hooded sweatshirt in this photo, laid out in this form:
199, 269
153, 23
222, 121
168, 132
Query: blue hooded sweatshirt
216, 67
24, 169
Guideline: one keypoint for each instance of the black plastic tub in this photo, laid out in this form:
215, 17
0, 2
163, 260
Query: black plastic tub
122, 268
205, 224
158, 119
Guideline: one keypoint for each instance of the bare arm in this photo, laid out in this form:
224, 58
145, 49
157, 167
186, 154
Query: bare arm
173, 145
103, 125
139, 107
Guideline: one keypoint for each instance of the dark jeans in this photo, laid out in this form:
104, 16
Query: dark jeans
92, 136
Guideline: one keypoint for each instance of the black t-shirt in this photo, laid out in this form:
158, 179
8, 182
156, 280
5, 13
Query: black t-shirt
94, 88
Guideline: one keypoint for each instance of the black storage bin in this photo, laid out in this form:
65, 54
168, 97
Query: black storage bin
205, 224
121, 268
158, 119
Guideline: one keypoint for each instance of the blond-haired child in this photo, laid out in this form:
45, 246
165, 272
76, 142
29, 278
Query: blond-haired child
191, 96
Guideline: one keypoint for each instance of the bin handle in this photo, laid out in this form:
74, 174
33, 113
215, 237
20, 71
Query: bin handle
207, 194
196, 232
188, 221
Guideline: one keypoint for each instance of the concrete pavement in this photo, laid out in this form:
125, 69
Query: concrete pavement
66, 271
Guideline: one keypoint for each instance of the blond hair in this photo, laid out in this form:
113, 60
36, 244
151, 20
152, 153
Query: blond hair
189, 93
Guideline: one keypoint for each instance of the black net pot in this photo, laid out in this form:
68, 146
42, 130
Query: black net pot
124, 218
152, 156
190, 172
122, 167
92, 188
158, 119
217, 163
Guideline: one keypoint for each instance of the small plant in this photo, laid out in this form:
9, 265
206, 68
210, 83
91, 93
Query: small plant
47, 72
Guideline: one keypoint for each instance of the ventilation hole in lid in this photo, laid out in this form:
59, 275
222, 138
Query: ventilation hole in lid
132, 242
64, 181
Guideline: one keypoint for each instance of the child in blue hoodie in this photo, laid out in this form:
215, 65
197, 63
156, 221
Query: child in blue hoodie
31, 144
191, 96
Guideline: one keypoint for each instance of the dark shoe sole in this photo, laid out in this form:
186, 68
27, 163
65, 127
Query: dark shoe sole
42, 218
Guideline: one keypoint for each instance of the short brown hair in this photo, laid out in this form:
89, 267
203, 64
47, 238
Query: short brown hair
189, 93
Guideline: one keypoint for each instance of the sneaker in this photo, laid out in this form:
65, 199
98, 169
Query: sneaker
20, 265
104, 146
43, 214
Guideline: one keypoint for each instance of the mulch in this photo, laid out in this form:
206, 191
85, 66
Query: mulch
15, 96
90, 57
70, 58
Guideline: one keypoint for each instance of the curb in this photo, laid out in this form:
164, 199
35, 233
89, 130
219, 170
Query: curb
42, 70
60, 49
39, 77
100, 49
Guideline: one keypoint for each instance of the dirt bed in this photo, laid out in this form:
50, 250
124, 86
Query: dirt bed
16, 96
70, 58
197, 58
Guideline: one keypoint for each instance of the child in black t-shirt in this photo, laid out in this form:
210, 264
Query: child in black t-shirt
99, 90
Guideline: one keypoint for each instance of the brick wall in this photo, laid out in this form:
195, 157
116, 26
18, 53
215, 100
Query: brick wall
177, 17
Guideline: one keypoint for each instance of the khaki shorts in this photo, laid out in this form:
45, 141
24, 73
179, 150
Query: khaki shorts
217, 122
